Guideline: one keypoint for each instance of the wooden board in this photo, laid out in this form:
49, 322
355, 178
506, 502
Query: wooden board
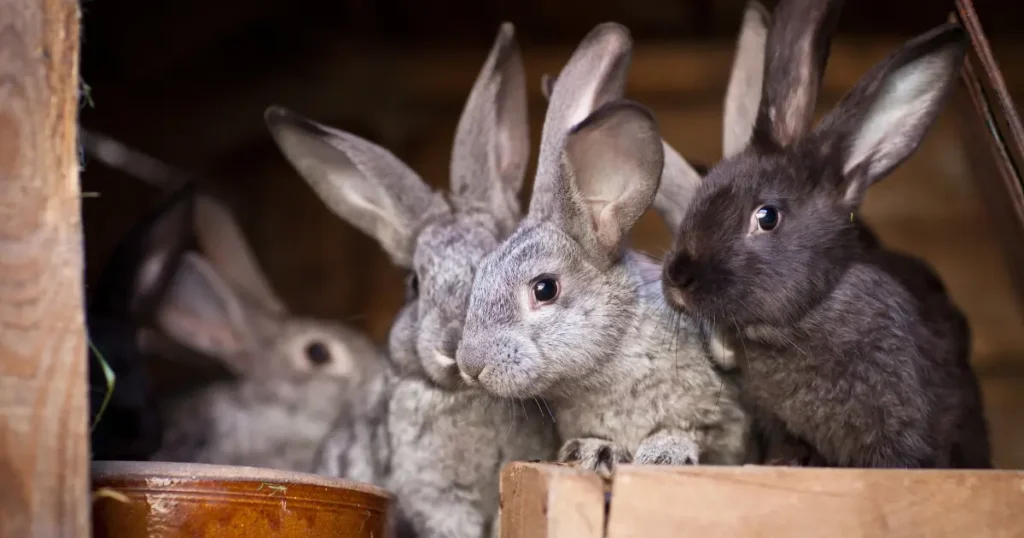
551, 501
755, 501
43, 430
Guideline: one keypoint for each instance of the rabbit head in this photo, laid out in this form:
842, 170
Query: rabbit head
130, 289
550, 300
438, 239
771, 229
220, 304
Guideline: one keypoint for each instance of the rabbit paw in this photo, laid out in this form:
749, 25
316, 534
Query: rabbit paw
598, 455
668, 448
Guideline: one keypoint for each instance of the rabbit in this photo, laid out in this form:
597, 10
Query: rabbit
563, 312
851, 355
293, 375
448, 441
128, 293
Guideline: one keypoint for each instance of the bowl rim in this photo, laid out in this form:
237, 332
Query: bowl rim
235, 473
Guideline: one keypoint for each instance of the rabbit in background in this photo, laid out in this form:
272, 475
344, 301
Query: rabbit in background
770, 247
129, 291
294, 375
562, 310
448, 442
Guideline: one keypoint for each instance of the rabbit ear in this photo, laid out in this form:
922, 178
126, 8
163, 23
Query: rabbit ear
594, 75
679, 182
492, 141
884, 118
143, 263
547, 84
743, 93
203, 313
797, 50
222, 242
610, 171
361, 182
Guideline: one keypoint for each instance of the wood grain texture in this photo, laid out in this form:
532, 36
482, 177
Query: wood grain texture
768, 502
43, 431
550, 501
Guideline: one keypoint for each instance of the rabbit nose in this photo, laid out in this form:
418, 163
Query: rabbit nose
471, 362
680, 272
317, 353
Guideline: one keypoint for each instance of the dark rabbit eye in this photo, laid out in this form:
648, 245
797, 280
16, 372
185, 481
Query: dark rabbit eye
545, 290
317, 353
412, 286
767, 218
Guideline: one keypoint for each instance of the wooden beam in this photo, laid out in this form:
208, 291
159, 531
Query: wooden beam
550, 501
754, 501
43, 430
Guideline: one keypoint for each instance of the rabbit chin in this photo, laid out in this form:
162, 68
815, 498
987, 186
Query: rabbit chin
511, 381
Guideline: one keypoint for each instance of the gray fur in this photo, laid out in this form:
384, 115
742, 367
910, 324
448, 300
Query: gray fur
743, 93
628, 378
797, 302
447, 441
282, 404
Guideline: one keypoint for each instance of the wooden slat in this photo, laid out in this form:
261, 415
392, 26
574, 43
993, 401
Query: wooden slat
43, 442
550, 501
751, 502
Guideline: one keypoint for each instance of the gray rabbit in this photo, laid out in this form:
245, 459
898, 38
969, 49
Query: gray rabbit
294, 375
563, 311
447, 441
852, 355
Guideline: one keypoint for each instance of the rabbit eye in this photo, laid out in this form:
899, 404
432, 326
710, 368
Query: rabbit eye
412, 286
317, 353
767, 218
545, 290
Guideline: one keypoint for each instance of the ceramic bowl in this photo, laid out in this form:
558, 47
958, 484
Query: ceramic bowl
170, 500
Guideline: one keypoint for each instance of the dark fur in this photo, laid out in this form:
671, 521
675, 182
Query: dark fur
852, 355
123, 301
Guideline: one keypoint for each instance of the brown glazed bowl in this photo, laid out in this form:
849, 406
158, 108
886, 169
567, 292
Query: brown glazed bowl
171, 500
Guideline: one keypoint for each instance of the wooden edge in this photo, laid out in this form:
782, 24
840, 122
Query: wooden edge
540, 500
652, 502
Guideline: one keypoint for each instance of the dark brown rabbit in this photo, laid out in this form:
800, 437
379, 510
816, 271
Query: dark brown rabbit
851, 353
128, 293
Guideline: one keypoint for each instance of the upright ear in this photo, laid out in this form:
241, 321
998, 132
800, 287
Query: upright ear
743, 93
594, 75
796, 54
203, 313
136, 278
361, 182
884, 118
492, 141
679, 182
222, 242
611, 167
679, 179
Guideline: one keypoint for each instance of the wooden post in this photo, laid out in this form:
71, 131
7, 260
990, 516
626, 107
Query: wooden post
43, 431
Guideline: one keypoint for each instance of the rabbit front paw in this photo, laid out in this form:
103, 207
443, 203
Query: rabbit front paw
668, 448
598, 455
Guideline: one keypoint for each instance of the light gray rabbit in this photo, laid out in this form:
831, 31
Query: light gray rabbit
448, 442
293, 374
563, 311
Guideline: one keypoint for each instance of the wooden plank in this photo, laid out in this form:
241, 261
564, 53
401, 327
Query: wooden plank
43, 430
755, 501
551, 501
